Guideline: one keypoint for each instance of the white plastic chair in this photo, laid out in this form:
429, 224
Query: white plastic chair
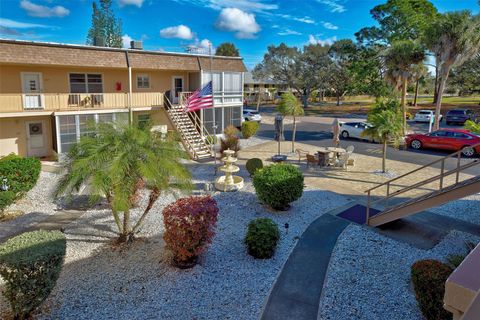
342, 160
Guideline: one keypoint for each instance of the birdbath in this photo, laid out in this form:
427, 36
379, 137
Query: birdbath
229, 182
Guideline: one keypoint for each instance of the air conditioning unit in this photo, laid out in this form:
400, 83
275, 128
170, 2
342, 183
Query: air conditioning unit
136, 45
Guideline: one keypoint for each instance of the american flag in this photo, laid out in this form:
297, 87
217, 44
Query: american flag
200, 99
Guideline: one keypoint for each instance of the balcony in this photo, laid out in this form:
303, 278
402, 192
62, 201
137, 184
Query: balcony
77, 101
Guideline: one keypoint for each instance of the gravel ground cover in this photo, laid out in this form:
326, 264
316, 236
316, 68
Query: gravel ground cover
36, 205
467, 209
100, 281
371, 279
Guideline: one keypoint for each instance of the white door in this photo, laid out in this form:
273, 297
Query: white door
36, 139
32, 98
177, 87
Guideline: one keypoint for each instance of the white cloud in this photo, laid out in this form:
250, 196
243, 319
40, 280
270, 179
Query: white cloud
333, 5
330, 26
180, 32
238, 21
323, 42
305, 19
126, 40
202, 47
244, 5
36, 10
7, 23
288, 32
123, 3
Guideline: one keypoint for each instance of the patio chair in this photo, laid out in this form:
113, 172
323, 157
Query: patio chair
301, 154
311, 160
342, 160
350, 149
351, 161
330, 159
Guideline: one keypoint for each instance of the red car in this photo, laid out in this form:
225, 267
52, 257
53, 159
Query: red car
447, 139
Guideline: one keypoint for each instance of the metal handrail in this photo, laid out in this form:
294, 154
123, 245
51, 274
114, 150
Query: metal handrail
440, 177
458, 153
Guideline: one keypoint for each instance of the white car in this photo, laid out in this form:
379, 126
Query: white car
251, 115
353, 130
425, 116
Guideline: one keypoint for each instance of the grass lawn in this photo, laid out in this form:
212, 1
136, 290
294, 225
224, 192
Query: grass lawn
361, 105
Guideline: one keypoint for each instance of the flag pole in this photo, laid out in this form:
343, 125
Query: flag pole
213, 110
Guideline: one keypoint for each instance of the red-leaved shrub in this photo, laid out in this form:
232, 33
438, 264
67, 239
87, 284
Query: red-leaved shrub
189, 228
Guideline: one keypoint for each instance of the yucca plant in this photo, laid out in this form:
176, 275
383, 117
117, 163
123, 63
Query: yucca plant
119, 160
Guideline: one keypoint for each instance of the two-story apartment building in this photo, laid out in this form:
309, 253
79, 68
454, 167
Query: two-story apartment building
49, 92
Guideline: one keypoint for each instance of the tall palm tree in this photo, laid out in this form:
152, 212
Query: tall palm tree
387, 125
453, 38
119, 160
290, 106
401, 59
419, 72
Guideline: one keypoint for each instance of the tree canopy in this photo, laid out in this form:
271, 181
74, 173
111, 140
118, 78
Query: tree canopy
105, 25
227, 49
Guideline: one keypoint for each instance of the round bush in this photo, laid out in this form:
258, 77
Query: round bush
278, 185
189, 228
429, 277
253, 165
30, 264
249, 128
262, 238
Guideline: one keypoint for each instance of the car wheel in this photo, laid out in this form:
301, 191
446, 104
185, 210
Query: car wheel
345, 134
416, 144
468, 151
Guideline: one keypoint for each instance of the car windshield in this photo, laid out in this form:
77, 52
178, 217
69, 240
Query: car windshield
424, 112
250, 111
456, 112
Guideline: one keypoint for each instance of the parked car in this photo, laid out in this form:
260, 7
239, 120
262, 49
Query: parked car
353, 130
446, 139
251, 115
459, 116
425, 116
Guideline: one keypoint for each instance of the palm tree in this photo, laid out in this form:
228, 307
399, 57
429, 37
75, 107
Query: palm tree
453, 38
387, 125
419, 72
117, 162
290, 106
401, 59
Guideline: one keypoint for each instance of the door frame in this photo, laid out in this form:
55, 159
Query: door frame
44, 136
40, 87
172, 92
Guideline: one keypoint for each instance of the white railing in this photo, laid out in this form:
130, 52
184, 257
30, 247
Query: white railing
77, 101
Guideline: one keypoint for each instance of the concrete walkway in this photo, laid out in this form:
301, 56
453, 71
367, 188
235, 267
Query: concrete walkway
58, 221
296, 292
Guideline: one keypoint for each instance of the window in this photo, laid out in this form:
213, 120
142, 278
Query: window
460, 135
86, 83
143, 120
143, 81
68, 132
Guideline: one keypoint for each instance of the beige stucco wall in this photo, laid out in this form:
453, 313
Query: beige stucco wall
13, 134
56, 79
158, 117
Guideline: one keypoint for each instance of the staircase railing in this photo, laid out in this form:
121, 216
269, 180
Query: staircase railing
440, 177
176, 121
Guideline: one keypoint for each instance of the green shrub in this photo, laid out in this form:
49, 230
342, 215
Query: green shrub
230, 142
231, 131
454, 260
253, 165
262, 238
21, 174
249, 128
429, 278
30, 264
278, 185
211, 139
6, 199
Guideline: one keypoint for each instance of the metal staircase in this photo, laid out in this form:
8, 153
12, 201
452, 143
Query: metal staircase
192, 133
445, 193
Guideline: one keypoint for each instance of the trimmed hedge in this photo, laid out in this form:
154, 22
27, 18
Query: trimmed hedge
30, 264
249, 128
429, 277
262, 238
253, 165
278, 185
21, 174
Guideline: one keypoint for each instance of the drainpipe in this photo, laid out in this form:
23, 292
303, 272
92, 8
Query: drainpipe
130, 112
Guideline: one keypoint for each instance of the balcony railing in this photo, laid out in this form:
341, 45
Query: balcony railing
77, 101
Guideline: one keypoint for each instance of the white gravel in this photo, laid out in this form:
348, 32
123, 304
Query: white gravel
467, 209
37, 204
98, 282
369, 275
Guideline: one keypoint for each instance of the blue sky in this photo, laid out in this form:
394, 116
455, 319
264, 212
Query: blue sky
172, 25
